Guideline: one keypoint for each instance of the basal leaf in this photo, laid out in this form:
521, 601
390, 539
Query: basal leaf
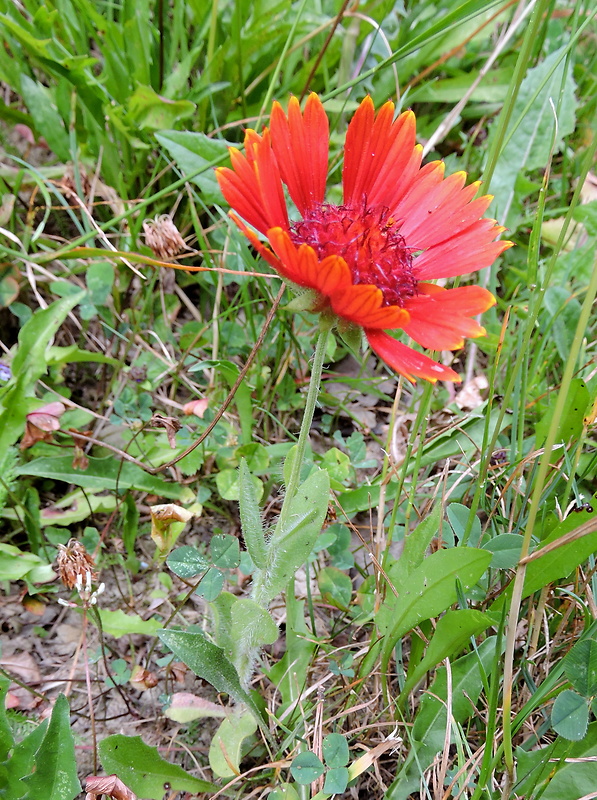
55, 776
46, 117
430, 589
429, 729
529, 146
144, 771
452, 633
225, 750
209, 662
196, 154
104, 474
415, 547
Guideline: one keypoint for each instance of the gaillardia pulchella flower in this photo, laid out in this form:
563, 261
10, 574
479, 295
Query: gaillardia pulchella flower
369, 260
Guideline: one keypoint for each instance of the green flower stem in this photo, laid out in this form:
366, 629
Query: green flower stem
314, 384
260, 591
293, 642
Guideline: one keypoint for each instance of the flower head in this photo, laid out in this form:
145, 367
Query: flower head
371, 258
76, 569
163, 237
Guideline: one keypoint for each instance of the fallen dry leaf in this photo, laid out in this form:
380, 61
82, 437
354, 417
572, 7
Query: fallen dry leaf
110, 785
470, 396
185, 707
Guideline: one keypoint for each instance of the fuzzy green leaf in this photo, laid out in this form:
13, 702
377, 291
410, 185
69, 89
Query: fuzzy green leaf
209, 662
55, 776
250, 516
290, 545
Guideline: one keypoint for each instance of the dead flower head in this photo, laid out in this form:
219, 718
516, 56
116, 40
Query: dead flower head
76, 569
167, 523
163, 237
41, 424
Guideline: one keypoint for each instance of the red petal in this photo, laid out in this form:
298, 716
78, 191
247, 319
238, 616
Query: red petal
468, 251
441, 318
253, 187
381, 158
241, 193
362, 305
357, 152
468, 300
423, 185
301, 265
269, 179
407, 361
263, 251
331, 277
385, 317
397, 160
300, 143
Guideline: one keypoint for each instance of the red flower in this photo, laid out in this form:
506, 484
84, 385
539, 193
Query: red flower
369, 259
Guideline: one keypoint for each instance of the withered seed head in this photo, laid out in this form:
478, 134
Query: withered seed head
75, 566
163, 237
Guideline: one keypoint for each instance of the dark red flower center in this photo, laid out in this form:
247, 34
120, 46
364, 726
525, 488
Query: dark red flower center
369, 240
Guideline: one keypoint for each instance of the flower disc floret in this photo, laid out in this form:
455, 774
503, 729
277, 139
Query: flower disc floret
368, 239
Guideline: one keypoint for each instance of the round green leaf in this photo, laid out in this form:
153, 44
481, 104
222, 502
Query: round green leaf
306, 768
285, 791
210, 585
186, 562
335, 587
570, 715
225, 551
337, 464
99, 279
336, 780
335, 751
580, 667
256, 456
229, 487
506, 550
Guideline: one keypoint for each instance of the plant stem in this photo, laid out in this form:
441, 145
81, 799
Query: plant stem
260, 593
293, 484
312, 394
